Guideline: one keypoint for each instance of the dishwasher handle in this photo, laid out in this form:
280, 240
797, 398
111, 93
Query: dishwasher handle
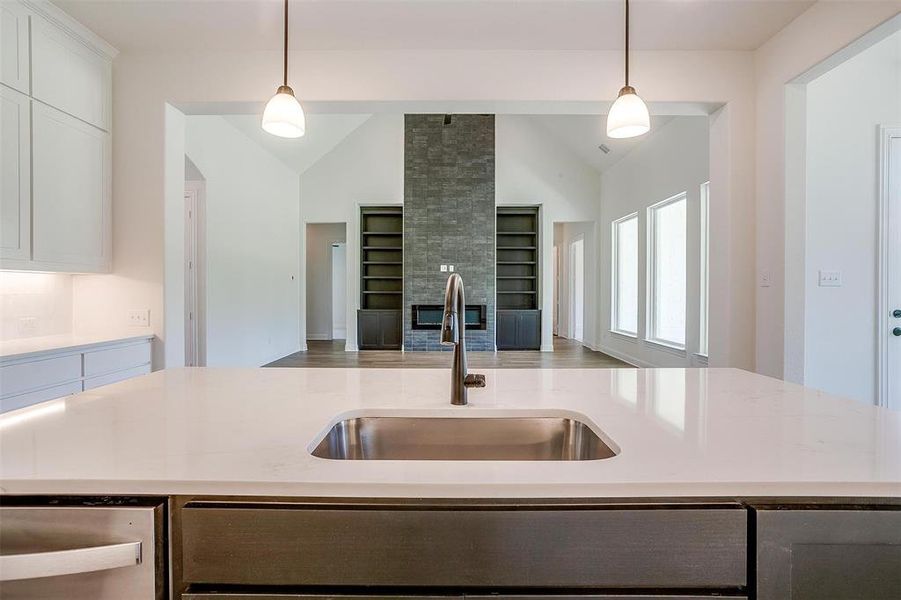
69, 562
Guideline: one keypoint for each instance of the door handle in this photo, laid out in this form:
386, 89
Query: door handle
68, 562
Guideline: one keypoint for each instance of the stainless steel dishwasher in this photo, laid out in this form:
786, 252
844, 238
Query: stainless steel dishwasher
79, 551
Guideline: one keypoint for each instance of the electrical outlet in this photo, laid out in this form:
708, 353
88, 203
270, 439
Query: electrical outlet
139, 318
830, 279
444, 268
28, 326
450, 268
765, 278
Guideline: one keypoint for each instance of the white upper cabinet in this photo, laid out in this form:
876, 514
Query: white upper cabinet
70, 192
14, 46
15, 176
69, 75
56, 84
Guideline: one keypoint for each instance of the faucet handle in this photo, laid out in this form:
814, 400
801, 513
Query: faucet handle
474, 380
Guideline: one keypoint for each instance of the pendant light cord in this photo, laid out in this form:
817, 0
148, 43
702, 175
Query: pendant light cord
286, 45
627, 42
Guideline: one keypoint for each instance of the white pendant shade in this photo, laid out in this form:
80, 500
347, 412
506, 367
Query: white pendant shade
628, 117
284, 116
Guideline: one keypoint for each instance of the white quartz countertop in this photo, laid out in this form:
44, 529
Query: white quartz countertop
681, 432
28, 347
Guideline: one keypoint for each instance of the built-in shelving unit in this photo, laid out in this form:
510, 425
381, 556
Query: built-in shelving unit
518, 316
517, 258
381, 277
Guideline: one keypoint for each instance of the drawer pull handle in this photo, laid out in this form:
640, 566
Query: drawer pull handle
69, 562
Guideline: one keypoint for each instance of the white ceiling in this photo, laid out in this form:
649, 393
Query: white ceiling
324, 132
583, 134
133, 25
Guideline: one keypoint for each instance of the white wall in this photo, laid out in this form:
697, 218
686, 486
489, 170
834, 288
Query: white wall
34, 304
674, 159
367, 167
144, 82
252, 246
319, 240
532, 167
816, 34
844, 110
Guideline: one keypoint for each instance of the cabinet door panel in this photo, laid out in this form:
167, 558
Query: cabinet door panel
15, 190
507, 330
835, 554
14, 70
68, 75
530, 330
389, 323
368, 329
71, 191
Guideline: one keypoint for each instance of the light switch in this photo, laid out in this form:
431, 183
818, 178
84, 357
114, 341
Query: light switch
444, 268
765, 278
830, 279
450, 268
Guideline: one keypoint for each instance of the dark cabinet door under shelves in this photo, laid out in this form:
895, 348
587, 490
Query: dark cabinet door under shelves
518, 283
518, 329
381, 277
379, 329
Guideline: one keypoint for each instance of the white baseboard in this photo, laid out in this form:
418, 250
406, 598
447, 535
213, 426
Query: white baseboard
348, 347
304, 347
627, 358
547, 347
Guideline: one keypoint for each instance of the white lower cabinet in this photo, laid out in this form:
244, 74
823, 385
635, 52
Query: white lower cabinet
70, 191
15, 174
55, 373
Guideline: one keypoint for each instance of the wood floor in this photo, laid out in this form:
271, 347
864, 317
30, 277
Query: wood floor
567, 354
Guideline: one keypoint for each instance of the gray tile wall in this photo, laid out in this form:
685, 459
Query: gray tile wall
449, 218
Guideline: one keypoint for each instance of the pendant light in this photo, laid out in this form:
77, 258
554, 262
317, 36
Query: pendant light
283, 115
628, 117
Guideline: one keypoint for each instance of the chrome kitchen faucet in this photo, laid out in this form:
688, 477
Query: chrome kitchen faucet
453, 333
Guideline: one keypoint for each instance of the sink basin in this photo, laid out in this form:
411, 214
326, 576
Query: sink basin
462, 438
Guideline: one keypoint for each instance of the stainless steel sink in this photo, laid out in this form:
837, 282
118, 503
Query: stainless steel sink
462, 438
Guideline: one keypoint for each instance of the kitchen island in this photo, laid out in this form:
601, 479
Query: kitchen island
720, 481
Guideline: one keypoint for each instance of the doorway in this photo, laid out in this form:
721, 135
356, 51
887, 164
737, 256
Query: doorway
326, 281
577, 289
890, 270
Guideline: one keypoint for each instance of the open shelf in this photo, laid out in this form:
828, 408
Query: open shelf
381, 258
517, 264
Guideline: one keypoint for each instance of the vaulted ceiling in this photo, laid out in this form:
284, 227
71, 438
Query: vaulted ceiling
243, 25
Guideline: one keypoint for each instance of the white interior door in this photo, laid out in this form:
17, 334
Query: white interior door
191, 329
556, 291
339, 291
890, 346
577, 288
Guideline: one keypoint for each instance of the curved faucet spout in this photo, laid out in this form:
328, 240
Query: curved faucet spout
453, 333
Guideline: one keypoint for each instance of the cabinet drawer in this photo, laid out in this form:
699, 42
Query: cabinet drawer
95, 382
8, 403
116, 359
39, 374
600, 547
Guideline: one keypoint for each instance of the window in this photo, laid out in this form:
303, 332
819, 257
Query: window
624, 270
666, 271
705, 267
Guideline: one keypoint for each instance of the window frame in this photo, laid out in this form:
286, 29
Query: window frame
704, 271
650, 298
614, 276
